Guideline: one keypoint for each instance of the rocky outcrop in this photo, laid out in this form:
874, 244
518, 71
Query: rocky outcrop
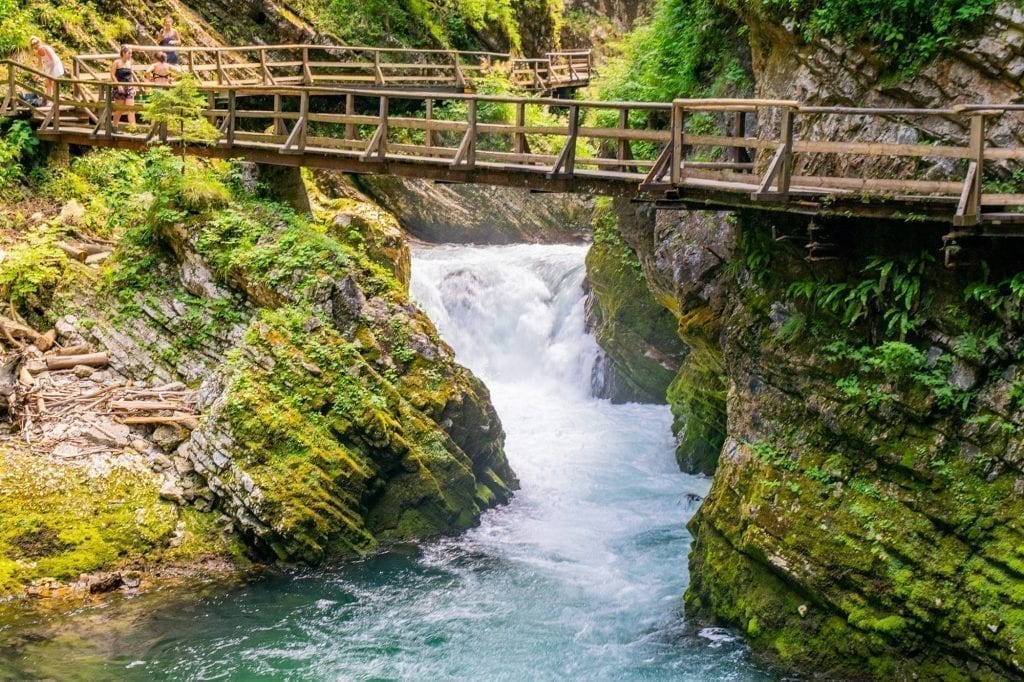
332, 415
681, 257
984, 69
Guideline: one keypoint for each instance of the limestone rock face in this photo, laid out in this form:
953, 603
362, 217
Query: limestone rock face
681, 256
985, 69
332, 415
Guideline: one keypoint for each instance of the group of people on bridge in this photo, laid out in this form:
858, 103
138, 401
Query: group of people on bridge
122, 71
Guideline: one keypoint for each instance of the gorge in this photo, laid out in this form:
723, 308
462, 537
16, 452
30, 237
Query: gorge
466, 448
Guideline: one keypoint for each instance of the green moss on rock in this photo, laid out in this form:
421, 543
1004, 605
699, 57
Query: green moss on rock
638, 335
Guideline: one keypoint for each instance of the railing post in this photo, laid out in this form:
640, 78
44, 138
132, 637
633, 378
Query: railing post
623, 151
460, 78
10, 101
76, 74
786, 170
279, 128
230, 138
378, 73
303, 121
307, 73
350, 110
678, 127
471, 152
430, 120
108, 111
191, 62
977, 147
739, 154
55, 123
264, 73
220, 68
382, 149
520, 146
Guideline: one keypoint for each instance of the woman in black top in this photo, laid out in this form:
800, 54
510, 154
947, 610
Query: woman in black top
122, 73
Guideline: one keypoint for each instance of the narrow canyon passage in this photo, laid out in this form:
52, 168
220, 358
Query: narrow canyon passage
580, 577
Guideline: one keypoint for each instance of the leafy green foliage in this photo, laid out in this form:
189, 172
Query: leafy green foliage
891, 291
418, 23
17, 146
606, 231
905, 33
880, 372
32, 269
179, 109
688, 48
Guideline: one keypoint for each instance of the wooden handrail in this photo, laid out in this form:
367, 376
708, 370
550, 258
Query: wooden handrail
705, 144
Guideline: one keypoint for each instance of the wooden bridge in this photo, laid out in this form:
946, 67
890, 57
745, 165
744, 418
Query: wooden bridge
764, 154
367, 67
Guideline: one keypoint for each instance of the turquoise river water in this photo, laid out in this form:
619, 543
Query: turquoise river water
580, 577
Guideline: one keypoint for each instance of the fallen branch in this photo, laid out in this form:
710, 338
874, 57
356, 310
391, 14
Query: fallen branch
144, 405
69, 361
187, 421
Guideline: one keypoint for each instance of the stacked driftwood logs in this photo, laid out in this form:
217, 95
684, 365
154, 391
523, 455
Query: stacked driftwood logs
51, 395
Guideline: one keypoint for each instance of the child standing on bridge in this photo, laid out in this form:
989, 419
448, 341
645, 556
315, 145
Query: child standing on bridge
161, 71
49, 63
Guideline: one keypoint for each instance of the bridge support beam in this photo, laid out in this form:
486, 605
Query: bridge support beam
284, 184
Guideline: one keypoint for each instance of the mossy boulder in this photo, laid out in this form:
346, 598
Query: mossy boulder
63, 519
657, 305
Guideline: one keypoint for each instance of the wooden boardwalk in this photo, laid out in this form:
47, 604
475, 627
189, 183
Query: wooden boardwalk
763, 154
353, 66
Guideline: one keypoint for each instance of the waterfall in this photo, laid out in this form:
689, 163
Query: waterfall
513, 314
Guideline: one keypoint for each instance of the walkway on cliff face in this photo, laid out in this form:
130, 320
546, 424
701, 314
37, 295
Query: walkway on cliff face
953, 165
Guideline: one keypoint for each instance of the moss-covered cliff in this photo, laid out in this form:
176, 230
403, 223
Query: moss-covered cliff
864, 516
330, 415
863, 521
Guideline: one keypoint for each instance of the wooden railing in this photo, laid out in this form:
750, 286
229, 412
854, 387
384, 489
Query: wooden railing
778, 163
762, 153
353, 66
555, 70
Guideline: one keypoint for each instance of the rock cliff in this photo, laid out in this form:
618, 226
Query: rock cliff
329, 415
864, 414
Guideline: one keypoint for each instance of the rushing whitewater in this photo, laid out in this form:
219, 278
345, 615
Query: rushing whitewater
579, 577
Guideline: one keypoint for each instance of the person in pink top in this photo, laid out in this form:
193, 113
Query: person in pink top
49, 63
